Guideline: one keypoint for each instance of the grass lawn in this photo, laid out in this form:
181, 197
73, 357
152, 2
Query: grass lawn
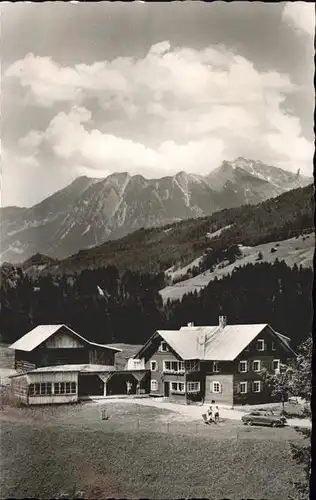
136, 454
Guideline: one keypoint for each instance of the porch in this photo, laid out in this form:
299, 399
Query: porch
113, 383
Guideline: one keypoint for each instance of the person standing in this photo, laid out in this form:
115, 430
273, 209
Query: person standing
209, 414
215, 411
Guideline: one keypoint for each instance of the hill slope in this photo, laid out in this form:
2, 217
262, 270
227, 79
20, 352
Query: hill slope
158, 249
298, 250
91, 211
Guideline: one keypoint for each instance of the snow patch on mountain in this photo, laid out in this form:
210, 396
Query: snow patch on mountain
67, 231
218, 232
174, 273
182, 182
121, 203
121, 215
86, 230
17, 248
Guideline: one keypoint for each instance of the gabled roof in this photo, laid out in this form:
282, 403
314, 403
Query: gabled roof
41, 333
185, 342
227, 343
221, 344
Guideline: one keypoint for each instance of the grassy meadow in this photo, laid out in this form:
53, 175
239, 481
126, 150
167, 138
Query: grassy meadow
136, 453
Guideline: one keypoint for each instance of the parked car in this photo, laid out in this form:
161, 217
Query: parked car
266, 417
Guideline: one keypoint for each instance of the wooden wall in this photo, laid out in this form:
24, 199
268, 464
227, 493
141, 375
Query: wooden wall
101, 356
266, 358
158, 375
225, 397
35, 378
19, 386
24, 361
64, 340
61, 356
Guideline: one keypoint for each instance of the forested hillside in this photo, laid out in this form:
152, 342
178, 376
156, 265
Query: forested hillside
256, 293
157, 249
108, 307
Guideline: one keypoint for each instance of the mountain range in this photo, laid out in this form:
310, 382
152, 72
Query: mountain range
89, 212
284, 223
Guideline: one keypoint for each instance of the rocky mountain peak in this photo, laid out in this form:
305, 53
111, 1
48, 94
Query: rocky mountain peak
90, 211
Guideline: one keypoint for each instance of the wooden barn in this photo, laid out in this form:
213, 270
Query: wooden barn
54, 364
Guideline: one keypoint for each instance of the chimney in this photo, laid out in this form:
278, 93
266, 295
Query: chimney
222, 321
201, 341
190, 324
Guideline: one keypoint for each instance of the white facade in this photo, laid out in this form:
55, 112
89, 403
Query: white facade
135, 364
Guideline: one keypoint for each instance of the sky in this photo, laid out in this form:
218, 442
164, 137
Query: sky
151, 89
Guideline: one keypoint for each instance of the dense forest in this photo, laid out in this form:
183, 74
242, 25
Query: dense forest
106, 306
101, 305
156, 249
255, 293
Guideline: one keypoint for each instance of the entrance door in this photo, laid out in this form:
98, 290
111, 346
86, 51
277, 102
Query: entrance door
167, 389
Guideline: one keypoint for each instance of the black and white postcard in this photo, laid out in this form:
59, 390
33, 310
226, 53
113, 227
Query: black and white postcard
157, 245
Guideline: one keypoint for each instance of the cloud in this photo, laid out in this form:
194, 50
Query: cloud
212, 75
300, 16
31, 141
49, 82
103, 153
174, 109
160, 48
17, 176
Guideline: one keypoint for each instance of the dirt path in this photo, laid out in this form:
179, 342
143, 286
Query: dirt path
193, 413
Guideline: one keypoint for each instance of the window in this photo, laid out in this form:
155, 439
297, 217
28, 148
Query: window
243, 366
163, 347
153, 385
216, 367
177, 387
260, 345
193, 386
153, 366
173, 366
276, 364
257, 386
59, 388
65, 388
243, 387
216, 387
192, 366
70, 387
45, 388
247, 348
41, 389
256, 366
273, 346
